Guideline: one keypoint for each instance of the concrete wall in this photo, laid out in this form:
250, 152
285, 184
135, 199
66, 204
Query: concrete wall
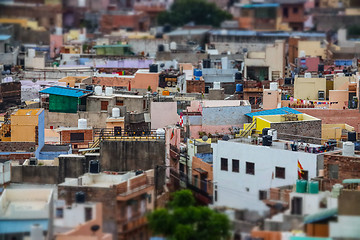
339, 96
55, 119
72, 166
225, 115
235, 186
348, 116
312, 49
307, 88
346, 165
148, 46
163, 114
271, 99
310, 129
34, 174
181, 57
131, 155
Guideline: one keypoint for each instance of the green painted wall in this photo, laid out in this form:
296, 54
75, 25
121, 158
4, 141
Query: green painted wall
63, 104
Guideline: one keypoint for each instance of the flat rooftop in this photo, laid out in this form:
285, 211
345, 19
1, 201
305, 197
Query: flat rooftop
28, 112
285, 145
101, 180
25, 203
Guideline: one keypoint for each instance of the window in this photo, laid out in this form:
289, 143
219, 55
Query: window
104, 105
305, 175
59, 212
280, 172
296, 206
295, 10
119, 103
235, 165
224, 164
285, 12
88, 214
216, 196
76, 137
333, 171
196, 177
262, 195
250, 168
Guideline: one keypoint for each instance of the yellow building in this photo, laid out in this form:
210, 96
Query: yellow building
289, 123
312, 49
335, 131
27, 125
308, 88
76, 81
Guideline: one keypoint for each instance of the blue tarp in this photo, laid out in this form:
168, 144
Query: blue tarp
276, 111
66, 91
21, 226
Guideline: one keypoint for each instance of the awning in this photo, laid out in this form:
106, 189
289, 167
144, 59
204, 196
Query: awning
201, 171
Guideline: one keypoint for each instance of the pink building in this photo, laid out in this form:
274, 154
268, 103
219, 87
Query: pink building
56, 42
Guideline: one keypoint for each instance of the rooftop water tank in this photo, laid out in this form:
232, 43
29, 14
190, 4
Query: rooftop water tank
239, 88
352, 136
265, 131
116, 112
31, 53
160, 133
273, 134
307, 75
302, 54
216, 85
173, 46
348, 149
267, 140
79, 197
94, 166
301, 186
313, 187
98, 90
82, 123
109, 91
238, 76
36, 232
335, 191
197, 72
166, 47
273, 86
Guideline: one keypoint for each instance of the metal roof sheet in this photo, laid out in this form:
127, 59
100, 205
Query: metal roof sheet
320, 216
261, 5
66, 91
276, 111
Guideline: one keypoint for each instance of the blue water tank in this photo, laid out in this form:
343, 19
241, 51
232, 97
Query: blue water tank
197, 72
239, 87
197, 78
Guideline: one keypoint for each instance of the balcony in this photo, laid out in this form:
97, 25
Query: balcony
125, 196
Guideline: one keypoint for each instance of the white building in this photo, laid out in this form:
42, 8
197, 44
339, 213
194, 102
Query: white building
26, 211
242, 170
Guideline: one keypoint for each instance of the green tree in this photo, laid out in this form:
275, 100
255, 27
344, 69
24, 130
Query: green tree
200, 12
185, 221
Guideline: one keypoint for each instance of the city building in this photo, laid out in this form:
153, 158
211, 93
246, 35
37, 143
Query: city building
26, 212
243, 169
64, 99
81, 220
126, 198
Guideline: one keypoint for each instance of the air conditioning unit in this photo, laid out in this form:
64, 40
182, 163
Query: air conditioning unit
321, 95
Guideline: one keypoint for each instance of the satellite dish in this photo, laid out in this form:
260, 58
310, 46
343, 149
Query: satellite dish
162, 65
204, 138
245, 50
95, 228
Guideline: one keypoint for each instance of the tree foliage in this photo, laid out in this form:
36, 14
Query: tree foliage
185, 221
200, 12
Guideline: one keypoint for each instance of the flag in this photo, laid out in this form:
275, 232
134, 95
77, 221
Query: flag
181, 119
172, 134
300, 170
